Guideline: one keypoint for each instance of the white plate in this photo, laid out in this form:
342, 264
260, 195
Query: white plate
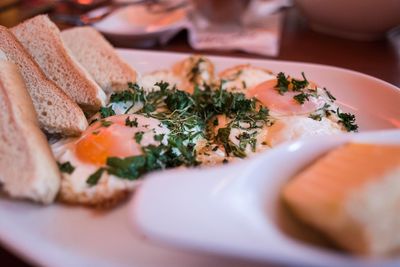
68, 236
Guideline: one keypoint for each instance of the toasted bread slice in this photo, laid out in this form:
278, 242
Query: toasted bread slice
57, 113
100, 59
28, 169
352, 194
41, 38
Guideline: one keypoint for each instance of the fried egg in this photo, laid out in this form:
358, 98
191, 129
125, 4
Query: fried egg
194, 70
110, 137
244, 77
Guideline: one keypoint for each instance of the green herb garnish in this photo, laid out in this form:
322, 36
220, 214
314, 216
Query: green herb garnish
331, 97
95, 177
159, 137
106, 112
66, 167
246, 139
131, 123
283, 83
138, 137
348, 121
299, 85
316, 117
105, 123
301, 98
230, 148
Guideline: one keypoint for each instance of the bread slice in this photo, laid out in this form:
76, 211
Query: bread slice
57, 113
28, 169
100, 59
41, 38
352, 194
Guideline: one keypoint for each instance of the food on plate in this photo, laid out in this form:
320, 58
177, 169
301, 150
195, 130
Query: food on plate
194, 71
99, 58
182, 115
295, 127
42, 39
243, 77
106, 160
28, 169
57, 113
148, 81
352, 195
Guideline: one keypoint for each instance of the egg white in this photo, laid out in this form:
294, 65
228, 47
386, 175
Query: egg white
149, 80
243, 77
296, 127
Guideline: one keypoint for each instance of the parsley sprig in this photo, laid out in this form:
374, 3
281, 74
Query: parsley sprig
348, 121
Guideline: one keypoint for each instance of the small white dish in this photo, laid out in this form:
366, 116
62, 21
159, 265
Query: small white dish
233, 210
137, 25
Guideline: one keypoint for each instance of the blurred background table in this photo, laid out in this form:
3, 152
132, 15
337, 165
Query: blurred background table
298, 43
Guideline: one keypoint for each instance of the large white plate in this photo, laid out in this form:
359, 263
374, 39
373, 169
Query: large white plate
69, 236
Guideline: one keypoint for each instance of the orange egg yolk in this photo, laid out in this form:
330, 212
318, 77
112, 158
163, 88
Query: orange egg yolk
284, 104
99, 142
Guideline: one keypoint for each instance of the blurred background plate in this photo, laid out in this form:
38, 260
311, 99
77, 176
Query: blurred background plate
141, 25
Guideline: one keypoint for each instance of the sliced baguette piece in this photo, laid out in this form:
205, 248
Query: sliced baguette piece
352, 194
100, 59
28, 169
41, 38
57, 113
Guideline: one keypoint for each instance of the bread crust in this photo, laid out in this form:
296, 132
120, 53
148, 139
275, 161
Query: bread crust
99, 58
28, 167
57, 113
42, 39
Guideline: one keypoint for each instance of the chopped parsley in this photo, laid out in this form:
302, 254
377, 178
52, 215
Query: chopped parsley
331, 97
348, 121
230, 148
133, 94
283, 83
106, 112
131, 123
66, 167
139, 137
105, 123
316, 117
299, 85
95, 177
159, 137
246, 139
301, 98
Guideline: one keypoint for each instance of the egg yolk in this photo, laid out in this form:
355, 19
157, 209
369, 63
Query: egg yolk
284, 104
100, 142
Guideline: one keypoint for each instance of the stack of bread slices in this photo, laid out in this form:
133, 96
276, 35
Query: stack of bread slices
49, 80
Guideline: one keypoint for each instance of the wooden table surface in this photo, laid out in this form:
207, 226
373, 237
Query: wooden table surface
298, 43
